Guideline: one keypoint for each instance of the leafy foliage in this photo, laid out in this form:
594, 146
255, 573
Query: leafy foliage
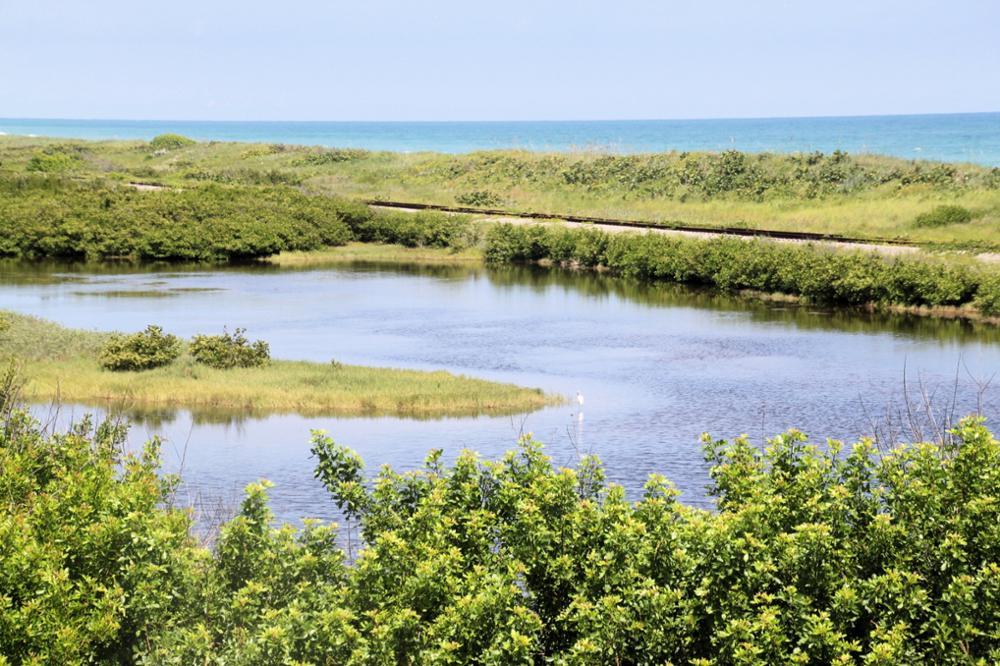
816, 554
478, 198
818, 274
941, 216
90, 558
421, 229
170, 142
45, 217
53, 161
230, 350
148, 349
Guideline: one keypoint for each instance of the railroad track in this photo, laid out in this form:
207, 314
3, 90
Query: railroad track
642, 224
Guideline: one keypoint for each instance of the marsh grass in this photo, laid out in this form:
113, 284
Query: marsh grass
353, 253
61, 363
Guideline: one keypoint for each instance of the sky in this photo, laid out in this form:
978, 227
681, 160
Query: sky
502, 60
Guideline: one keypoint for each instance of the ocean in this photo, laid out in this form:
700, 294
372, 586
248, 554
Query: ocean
966, 137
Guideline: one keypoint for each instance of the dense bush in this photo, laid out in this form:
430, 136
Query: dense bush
478, 198
421, 229
148, 349
988, 295
941, 216
815, 555
53, 161
230, 350
821, 275
46, 217
170, 142
90, 558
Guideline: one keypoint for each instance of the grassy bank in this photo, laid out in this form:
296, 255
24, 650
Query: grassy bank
855, 195
816, 554
62, 364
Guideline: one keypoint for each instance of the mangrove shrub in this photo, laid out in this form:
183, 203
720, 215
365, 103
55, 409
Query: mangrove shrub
230, 350
148, 349
821, 275
48, 217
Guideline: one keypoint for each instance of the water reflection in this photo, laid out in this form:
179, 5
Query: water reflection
591, 284
658, 364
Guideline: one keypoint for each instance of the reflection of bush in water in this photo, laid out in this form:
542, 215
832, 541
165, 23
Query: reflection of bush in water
158, 417
760, 310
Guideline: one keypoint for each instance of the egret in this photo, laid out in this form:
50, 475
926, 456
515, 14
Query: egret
579, 398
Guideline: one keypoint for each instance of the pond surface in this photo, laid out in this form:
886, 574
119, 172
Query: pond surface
657, 365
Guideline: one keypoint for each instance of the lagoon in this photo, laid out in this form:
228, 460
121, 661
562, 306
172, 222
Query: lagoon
658, 365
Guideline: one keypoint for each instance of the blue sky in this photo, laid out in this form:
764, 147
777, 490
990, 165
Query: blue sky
510, 60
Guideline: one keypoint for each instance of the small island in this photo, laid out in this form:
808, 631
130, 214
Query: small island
62, 364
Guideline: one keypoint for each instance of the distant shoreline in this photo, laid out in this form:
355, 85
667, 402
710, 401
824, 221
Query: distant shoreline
955, 137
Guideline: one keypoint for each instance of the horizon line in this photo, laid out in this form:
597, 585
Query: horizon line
469, 121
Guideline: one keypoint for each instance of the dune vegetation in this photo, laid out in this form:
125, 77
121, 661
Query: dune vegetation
864, 196
66, 365
53, 217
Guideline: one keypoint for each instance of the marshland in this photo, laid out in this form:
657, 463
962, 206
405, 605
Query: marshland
411, 338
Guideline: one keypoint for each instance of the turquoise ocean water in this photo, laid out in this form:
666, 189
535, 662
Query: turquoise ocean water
969, 137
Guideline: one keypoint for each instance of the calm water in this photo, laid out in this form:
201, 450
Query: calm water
658, 366
973, 137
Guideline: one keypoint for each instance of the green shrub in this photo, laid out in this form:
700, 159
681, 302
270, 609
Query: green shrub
483, 198
818, 274
815, 554
53, 162
45, 217
421, 229
170, 142
988, 295
230, 350
151, 348
92, 558
941, 216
